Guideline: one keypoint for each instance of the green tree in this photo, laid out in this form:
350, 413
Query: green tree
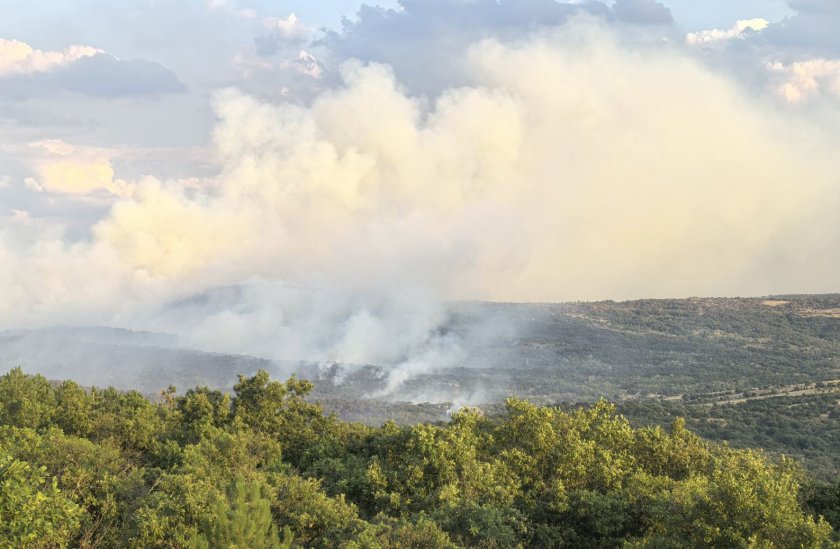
185, 492
26, 401
429, 466
281, 411
201, 409
33, 511
317, 520
95, 476
108, 468
128, 417
241, 520
742, 502
74, 409
824, 500
419, 532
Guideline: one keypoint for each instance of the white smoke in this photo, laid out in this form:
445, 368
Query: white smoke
573, 167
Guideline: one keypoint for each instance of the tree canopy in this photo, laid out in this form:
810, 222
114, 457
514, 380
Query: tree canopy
264, 467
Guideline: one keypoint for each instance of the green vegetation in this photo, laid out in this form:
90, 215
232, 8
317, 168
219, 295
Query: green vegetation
263, 467
754, 372
574, 352
805, 427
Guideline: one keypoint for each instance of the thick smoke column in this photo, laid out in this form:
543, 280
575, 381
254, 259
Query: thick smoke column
573, 166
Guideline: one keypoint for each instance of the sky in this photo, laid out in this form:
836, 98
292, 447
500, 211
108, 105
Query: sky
298, 179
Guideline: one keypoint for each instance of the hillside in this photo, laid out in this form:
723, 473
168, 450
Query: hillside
548, 352
126, 359
758, 358
637, 349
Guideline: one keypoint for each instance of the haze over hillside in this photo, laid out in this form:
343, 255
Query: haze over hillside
560, 352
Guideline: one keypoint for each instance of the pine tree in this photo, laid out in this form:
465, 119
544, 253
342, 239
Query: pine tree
242, 520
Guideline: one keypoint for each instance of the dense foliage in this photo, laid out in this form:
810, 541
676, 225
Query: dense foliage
263, 467
806, 427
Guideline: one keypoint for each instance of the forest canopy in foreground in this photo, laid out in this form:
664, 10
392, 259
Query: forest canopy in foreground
264, 468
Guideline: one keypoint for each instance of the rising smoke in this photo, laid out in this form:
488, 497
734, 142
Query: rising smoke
574, 166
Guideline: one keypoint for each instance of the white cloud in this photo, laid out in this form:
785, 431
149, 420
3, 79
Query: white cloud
230, 7
26, 72
18, 57
288, 28
284, 34
33, 185
801, 81
742, 29
63, 168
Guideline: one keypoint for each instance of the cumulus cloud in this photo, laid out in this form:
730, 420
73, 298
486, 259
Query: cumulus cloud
18, 57
26, 72
286, 58
107, 76
424, 40
801, 81
643, 12
97, 76
64, 168
283, 33
742, 29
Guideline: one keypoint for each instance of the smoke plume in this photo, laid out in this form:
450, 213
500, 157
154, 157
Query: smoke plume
572, 166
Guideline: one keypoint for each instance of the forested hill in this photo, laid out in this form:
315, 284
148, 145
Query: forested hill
668, 348
546, 352
263, 467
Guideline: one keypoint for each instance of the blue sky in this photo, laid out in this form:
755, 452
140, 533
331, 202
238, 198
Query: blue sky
57, 22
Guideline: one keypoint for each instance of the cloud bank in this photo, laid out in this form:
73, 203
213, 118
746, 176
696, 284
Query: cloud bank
26, 72
18, 57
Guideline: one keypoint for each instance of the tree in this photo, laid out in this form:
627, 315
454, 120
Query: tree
200, 410
74, 409
33, 511
25, 401
241, 520
743, 501
317, 520
280, 411
824, 500
108, 468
